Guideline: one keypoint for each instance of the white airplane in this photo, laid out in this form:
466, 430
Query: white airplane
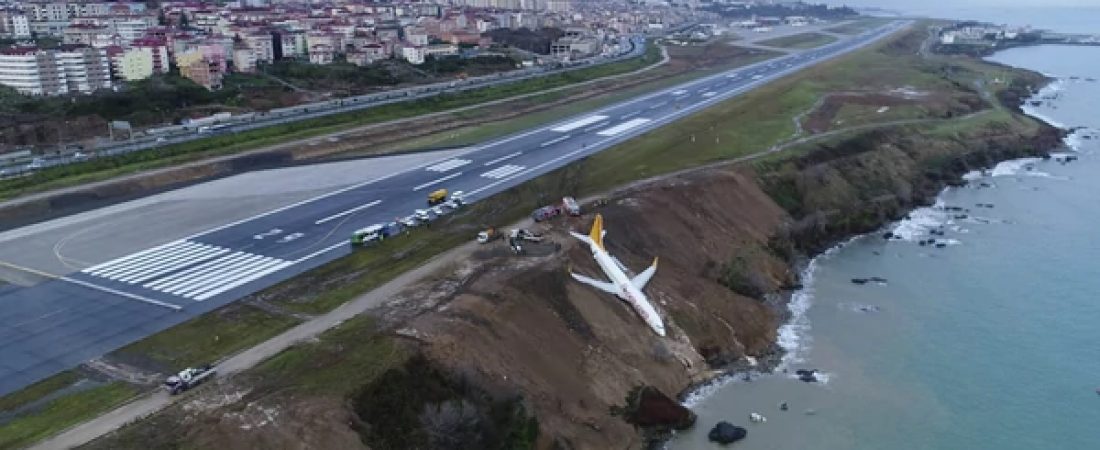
626, 288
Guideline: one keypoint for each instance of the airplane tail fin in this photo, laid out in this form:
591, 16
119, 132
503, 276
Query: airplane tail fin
596, 235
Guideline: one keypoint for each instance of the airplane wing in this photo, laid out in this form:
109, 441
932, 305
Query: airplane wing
643, 278
581, 237
605, 286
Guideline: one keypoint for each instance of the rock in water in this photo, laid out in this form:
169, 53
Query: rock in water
727, 433
653, 409
807, 375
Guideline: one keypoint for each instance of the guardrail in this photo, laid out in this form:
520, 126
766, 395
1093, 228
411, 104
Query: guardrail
280, 116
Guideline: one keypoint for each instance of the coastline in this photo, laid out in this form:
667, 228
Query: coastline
793, 334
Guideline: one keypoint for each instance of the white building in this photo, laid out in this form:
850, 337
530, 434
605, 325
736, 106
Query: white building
413, 54
17, 26
32, 71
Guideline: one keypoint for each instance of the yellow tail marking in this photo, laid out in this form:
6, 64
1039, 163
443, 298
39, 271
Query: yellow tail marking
597, 231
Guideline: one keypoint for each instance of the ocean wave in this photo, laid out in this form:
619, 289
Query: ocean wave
922, 220
1052, 89
1013, 167
1075, 141
793, 336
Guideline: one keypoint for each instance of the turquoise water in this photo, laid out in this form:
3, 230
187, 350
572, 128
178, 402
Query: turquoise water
992, 342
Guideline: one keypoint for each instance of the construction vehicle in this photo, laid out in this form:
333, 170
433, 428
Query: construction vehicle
546, 212
523, 234
188, 378
490, 234
424, 215
569, 204
409, 221
458, 197
437, 196
375, 233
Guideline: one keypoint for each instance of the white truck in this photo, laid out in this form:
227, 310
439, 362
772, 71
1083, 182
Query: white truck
188, 378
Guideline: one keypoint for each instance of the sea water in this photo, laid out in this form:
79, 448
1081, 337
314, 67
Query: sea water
990, 342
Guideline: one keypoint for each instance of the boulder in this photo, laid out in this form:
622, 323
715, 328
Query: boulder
649, 407
807, 375
726, 433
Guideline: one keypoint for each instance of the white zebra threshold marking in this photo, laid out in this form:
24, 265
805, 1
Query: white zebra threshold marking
188, 269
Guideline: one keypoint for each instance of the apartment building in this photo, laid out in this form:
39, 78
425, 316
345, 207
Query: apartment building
204, 68
131, 64
32, 71
15, 25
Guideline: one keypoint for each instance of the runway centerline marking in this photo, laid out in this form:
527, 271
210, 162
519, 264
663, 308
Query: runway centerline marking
437, 181
595, 127
503, 158
344, 213
447, 165
555, 141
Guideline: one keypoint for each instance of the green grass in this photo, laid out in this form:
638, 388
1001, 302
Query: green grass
375, 265
338, 362
800, 41
106, 168
38, 390
856, 114
63, 413
209, 337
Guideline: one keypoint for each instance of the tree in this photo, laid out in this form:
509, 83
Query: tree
183, 21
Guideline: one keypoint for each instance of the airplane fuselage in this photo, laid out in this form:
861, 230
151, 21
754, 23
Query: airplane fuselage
627, 291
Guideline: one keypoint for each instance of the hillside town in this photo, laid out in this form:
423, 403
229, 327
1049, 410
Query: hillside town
79, 47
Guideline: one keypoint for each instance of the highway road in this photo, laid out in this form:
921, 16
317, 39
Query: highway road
57, 324
629, 47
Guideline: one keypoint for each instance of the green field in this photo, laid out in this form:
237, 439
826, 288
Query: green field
62, 413
800, 41
207, 338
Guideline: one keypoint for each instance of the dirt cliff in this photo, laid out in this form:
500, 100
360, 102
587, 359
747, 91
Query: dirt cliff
729, 240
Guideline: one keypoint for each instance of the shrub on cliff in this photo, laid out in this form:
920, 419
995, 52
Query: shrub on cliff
420, 406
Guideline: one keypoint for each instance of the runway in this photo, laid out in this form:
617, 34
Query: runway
115, 299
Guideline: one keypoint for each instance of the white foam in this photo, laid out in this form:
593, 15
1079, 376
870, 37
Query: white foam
1013, 167
1050, 90
1074, 141
793, 336
973, 175
921, 220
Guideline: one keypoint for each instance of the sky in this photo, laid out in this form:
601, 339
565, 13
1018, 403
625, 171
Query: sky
909, 4
1069, 16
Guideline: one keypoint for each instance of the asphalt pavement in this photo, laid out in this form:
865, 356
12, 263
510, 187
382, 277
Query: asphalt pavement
57, 324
